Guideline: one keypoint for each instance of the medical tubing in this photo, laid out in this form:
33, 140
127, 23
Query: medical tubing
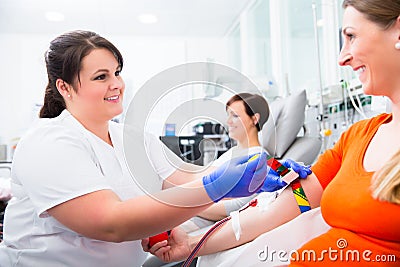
358, 109
218, 224
298, 192
360, 106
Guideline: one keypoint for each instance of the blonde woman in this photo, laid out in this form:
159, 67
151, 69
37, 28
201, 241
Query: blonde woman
386, 182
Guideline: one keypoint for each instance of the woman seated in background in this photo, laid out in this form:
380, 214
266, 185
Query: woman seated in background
371, 30
247, 114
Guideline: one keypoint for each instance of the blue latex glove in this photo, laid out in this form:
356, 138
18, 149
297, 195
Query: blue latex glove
274, 182
237, 178
301, 169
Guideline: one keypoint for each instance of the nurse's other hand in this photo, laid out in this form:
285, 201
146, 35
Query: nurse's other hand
301, 169
274, 182
176, 248
239, 177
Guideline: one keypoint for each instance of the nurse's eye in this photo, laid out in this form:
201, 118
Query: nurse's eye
100, 77
117, 73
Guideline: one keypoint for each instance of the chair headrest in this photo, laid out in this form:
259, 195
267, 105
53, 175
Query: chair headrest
285, 121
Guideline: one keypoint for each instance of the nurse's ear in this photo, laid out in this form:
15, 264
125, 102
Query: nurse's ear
256, 118
63, 88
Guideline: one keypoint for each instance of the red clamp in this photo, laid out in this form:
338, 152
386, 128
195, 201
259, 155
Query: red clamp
158, 238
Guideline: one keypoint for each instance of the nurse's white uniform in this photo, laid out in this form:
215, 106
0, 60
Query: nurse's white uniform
57, 161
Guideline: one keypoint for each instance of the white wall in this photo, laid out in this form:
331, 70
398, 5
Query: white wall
23, 77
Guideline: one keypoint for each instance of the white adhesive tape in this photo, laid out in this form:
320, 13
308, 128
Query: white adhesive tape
236, 224
290, 176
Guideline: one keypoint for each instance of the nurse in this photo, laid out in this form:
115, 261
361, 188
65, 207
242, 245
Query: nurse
74, 202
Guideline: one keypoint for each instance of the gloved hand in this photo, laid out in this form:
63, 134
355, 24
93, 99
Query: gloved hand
301, 169
273, 180
238, 177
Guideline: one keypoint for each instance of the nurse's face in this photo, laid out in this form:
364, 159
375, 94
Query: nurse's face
239, 123
369, 50
99, 94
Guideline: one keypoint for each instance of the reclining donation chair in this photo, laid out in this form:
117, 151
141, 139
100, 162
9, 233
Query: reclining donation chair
281, 133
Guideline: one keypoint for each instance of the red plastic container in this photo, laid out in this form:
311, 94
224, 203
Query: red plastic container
157, 238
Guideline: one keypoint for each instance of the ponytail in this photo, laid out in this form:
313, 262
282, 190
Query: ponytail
53, 103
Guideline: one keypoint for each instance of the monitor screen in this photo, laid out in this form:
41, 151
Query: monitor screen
188, 148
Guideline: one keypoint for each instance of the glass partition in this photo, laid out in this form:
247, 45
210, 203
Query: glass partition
287, 45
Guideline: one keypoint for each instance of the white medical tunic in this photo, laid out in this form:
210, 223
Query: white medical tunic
56, 161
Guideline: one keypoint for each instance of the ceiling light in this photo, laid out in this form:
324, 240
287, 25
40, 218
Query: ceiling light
147, 18
54, 16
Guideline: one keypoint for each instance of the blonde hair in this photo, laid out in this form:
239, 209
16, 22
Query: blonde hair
386, 182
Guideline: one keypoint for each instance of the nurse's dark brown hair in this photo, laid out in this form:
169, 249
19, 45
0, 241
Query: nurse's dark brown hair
63, 61
253, 104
